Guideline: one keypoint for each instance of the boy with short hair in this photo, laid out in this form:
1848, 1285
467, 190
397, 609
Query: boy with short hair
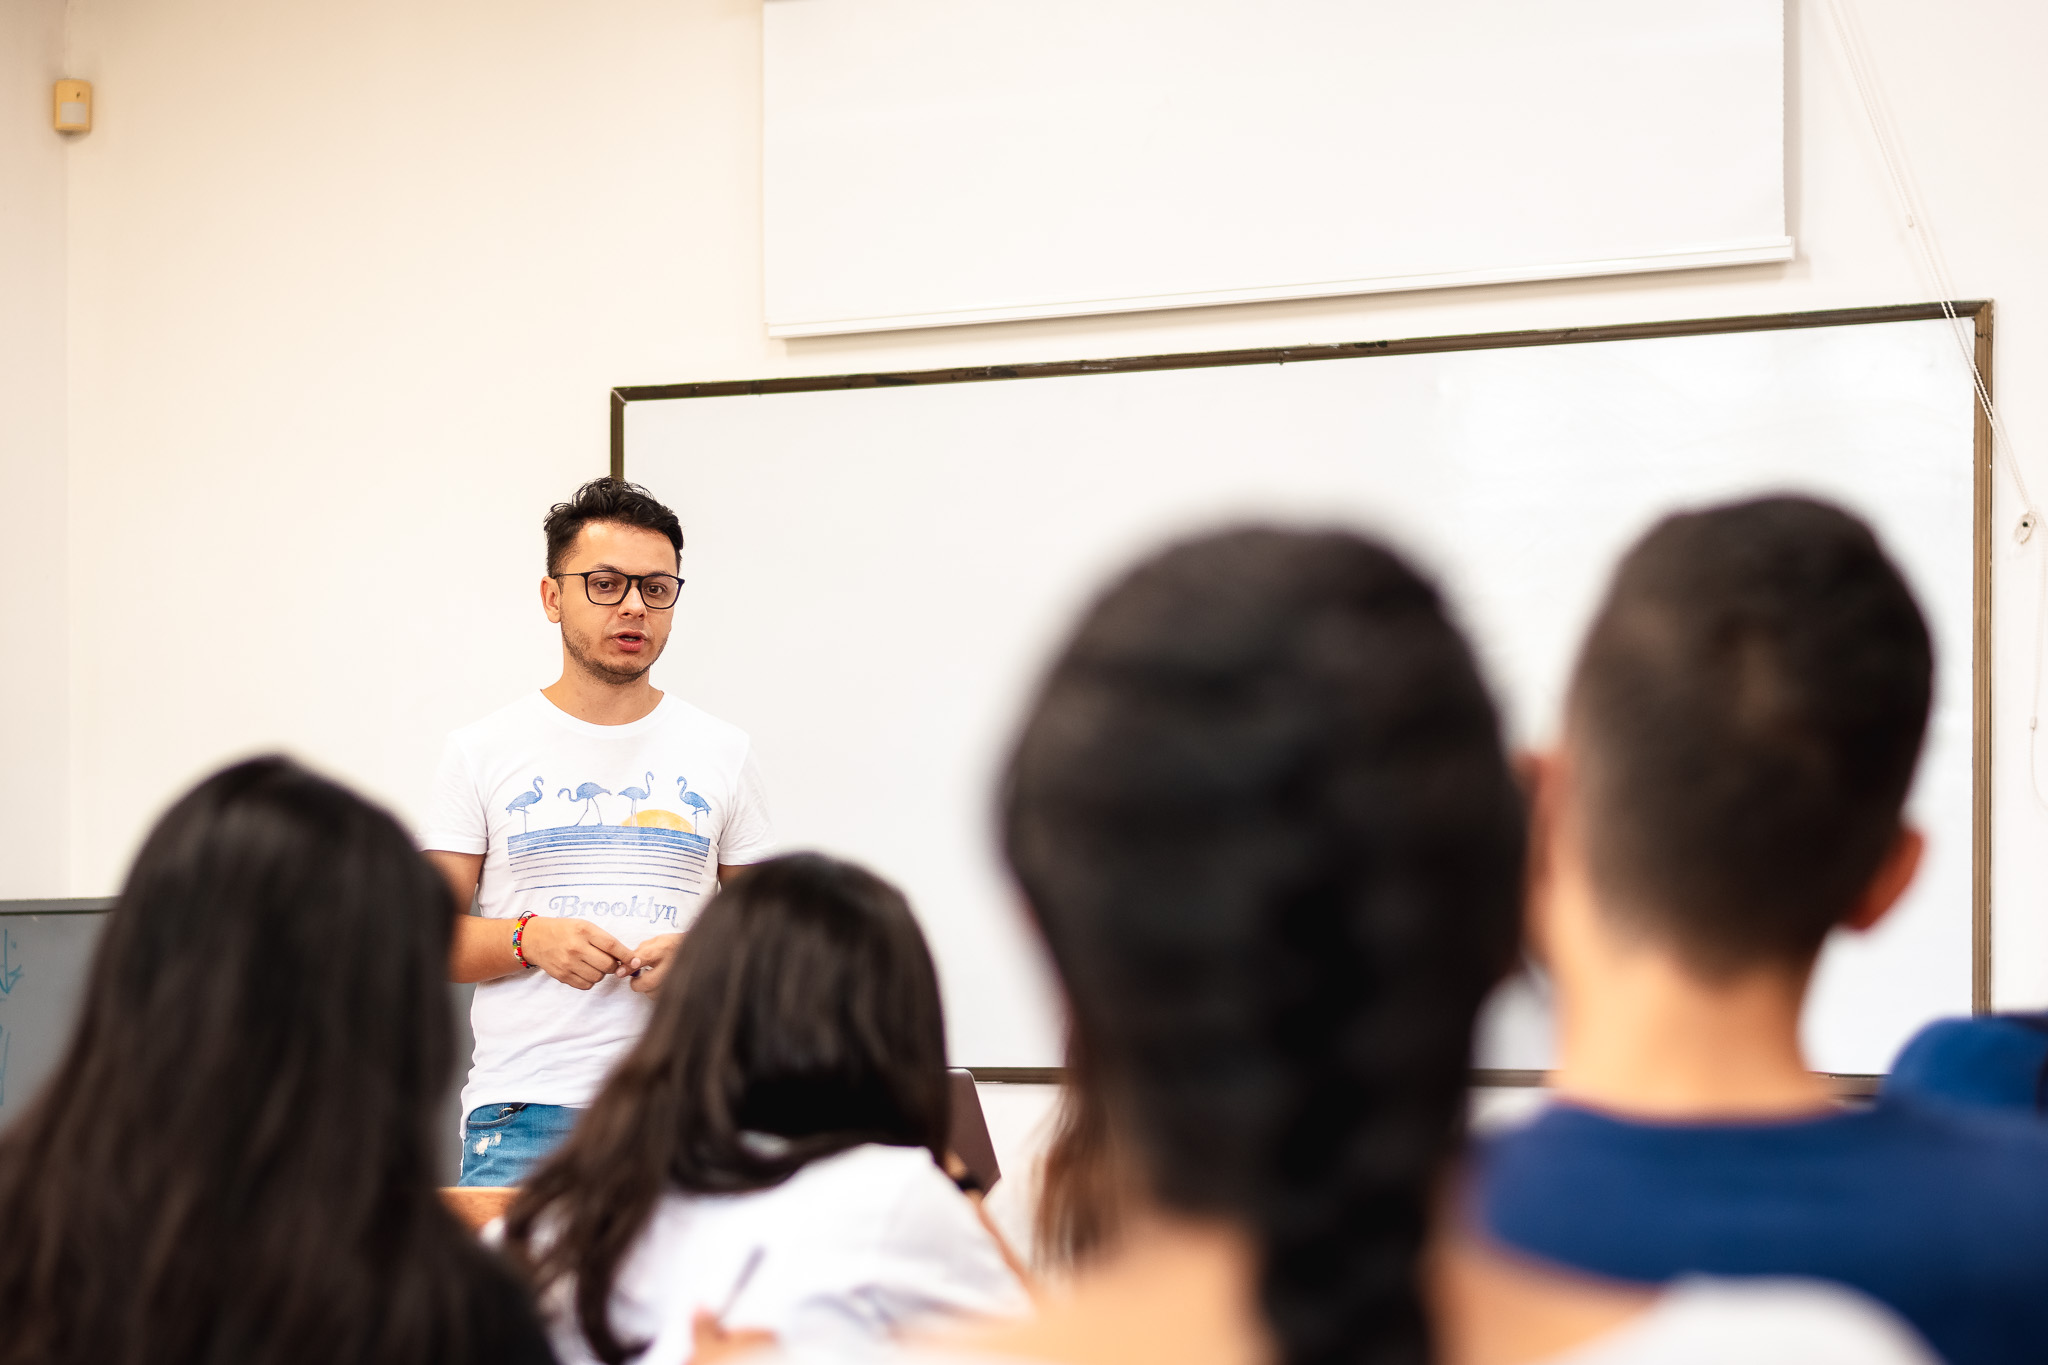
1740, 735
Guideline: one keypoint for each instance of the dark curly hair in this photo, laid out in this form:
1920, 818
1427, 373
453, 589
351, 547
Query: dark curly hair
607, 499
1261, 812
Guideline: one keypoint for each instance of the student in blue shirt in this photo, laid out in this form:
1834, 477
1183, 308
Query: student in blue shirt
1740, 734
1996, 1061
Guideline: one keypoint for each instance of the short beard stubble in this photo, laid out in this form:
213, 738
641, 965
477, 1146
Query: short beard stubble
603, 672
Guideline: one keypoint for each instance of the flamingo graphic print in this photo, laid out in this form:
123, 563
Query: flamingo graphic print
643, 866
588, 794
636, 795
697, 804
525, 802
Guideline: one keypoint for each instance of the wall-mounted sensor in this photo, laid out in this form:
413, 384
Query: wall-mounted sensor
71, 106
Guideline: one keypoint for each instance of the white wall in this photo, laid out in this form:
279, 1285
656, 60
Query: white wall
349, 282
34, 615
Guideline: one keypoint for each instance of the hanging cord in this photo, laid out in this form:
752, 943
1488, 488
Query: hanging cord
1934, 271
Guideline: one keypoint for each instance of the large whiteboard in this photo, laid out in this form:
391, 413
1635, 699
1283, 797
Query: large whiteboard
877, 577
928, 162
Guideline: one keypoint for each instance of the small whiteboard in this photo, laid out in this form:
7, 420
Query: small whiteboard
45, 950
929, 162
879, 568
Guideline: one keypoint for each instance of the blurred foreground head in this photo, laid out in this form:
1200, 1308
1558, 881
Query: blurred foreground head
1261, 811
235, 1159
1743, 724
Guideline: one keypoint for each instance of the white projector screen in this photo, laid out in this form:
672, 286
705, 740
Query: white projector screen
929, 162
877, 575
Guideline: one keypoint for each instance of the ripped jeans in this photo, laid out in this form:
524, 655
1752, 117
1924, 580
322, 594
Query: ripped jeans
502, 1143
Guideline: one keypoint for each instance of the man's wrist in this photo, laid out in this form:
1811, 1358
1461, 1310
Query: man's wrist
519, 937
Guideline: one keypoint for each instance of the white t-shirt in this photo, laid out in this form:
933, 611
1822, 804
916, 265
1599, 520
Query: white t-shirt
1694, 1322
621, 825
1700, 1321
853, 1247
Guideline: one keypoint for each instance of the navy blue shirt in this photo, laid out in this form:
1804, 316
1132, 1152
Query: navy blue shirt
1940, 1212
1998, 1061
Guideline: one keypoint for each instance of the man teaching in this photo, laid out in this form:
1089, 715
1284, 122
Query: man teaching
588, 821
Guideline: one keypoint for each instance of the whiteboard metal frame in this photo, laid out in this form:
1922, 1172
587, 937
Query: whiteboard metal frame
1978, 311
74, 905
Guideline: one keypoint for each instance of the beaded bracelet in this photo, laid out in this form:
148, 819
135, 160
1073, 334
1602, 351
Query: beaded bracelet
519, 933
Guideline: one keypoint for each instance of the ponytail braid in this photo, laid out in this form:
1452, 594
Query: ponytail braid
1262, 813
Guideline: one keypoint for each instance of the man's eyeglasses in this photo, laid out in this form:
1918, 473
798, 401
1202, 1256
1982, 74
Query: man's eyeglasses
607, 589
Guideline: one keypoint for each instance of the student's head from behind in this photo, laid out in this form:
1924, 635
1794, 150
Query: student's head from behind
1741, 731
1261, 811
237, 1155
802, 1018
614, 554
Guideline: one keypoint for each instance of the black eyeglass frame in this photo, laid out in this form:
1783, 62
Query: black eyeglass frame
633, 582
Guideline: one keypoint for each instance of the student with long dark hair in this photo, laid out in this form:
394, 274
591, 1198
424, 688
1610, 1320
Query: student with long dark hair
1261, 812
769, 1151
235, 1160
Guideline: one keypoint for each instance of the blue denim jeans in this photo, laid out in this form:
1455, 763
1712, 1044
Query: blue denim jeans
502, 1143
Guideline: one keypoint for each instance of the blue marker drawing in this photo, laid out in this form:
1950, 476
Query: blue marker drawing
9, 975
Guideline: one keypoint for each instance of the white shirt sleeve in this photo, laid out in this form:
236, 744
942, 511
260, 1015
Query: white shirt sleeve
747, 835
456, 822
